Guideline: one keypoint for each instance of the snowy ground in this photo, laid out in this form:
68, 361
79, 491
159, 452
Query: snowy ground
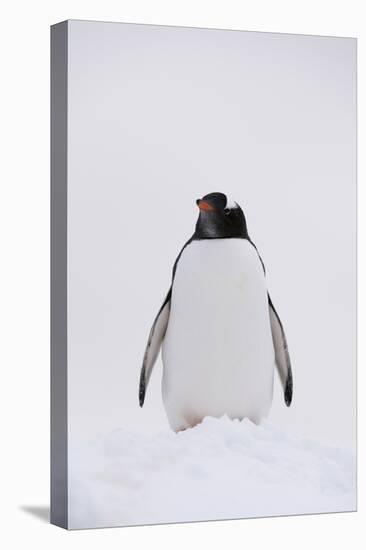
218, 470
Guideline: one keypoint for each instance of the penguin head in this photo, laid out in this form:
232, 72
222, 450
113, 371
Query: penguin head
219, 218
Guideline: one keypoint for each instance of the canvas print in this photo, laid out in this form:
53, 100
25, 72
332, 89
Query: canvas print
203, 272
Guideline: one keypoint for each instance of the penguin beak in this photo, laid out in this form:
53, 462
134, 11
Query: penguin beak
203, 205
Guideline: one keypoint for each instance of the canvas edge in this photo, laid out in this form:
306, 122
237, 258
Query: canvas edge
58, 254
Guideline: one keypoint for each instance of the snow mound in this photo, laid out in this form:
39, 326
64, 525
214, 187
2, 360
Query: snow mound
221, 469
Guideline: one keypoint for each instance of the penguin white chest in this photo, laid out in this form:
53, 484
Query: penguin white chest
218, 352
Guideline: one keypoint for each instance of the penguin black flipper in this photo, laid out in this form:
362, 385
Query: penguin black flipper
153, 346
282, 356
156, 335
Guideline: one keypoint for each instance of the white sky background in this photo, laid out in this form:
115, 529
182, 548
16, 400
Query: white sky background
159, 116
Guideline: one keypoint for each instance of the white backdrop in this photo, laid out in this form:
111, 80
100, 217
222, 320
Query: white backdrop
159, 116
24, 221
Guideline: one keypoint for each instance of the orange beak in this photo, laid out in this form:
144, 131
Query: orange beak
203, 205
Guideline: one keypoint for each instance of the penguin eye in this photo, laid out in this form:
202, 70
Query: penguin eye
227, 211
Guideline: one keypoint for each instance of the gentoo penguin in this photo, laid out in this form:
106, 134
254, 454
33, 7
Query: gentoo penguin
220, 333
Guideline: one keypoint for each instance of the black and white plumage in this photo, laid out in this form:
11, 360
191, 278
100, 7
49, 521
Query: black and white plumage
220, 333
